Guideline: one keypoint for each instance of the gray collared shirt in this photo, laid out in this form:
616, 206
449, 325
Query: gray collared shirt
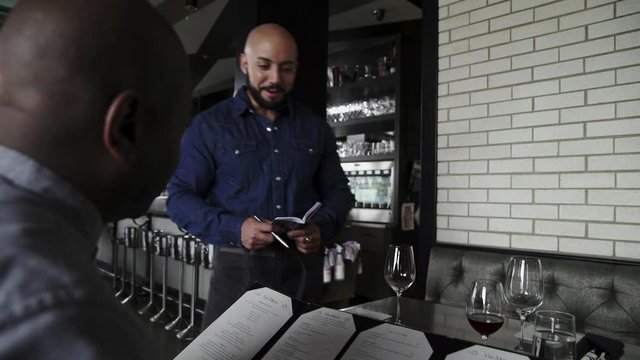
53, 304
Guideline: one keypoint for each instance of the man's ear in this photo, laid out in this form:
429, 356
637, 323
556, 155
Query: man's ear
120, 133
244, 64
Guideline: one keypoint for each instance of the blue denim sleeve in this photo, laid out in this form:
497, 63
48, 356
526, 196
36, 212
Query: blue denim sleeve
334, 190
188, 187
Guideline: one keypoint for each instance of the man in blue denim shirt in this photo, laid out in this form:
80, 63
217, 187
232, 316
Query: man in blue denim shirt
260, 155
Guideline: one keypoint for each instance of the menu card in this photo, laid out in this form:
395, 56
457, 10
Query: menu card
389, 342
241, 331
480, 352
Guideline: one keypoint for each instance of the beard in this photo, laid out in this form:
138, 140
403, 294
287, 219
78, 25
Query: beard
264, 103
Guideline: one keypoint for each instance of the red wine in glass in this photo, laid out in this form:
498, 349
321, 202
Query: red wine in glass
485, 324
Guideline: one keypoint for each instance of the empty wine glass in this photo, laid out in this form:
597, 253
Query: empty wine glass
486, 307
524, 289
399, 271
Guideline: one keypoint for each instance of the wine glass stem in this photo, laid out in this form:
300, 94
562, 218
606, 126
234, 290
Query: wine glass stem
484, 338
398, 308
522, 318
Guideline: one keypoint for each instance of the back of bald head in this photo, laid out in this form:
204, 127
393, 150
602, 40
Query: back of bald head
269, 32
63, 61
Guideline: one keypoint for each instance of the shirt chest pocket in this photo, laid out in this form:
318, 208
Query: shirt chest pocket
306, 156
237, 163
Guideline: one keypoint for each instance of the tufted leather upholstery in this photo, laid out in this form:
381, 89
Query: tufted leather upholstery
604, 297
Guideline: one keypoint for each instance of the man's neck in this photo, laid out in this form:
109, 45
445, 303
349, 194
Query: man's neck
269, 114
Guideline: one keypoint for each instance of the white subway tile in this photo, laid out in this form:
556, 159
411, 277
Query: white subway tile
466, 6
443, 89
488, 96
453, 74
468, 139
613, 93
615, 197
560, 228
594, 3
511, 225
490, 67
588, 181
443, 115
443, 168
536, 88
510, 136
549, 181
628, 215
614, 162
628, 40
630, 74
490, 210
470, 57
453, 181
561, 164
445, 102
536, 118
614, 231
587, 48
534, 149
443, 38
560, 196
468, 167
468, 196
616, 26
614, 127
453, 48
459, 209
627, 145
442, 3
510, 196
586, 246
443, 142
510, 78
442, 195
561, 38
489, 12
612, 61
443, 12
535, 29
558, 8
470, 30
561, 69
559, 101
443, 63
532, 242
627, 250
510, 166
535, 58
534, 211
490, 123
486, 239
510, 107
630, 180
586, 212
627, 7
571, 131
487, 40
451, 237
490, 152
442, 222
587, 113
629, 108
589, 81
467, 223
517, 5
468, 85
511, 20
468, 112
587, 17
453, 22
586, 147
510, 49
453, 154
489, 181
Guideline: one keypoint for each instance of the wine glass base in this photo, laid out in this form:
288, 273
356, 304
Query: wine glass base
188, 334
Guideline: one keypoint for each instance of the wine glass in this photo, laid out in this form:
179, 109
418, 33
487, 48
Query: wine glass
399, 271
486, 307
524, 289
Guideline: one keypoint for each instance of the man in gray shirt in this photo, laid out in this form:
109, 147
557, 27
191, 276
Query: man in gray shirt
94, 97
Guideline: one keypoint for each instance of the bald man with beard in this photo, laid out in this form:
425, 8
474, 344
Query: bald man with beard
94, 98
250, 159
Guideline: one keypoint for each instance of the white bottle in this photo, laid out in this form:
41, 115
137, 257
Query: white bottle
338, 268
327, 267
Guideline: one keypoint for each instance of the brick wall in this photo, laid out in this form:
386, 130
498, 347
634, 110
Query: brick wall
539, 125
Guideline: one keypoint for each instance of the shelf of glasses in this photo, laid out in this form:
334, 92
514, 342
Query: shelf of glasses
364, 125
373, 157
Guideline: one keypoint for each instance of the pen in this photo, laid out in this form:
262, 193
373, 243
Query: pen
274, 234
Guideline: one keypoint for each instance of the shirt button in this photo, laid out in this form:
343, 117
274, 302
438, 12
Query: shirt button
278, 207
276, 151
311, 151
236, 152
269, 129
275, 128
278, 178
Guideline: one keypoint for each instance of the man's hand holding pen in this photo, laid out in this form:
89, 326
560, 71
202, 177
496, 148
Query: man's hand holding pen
257, 234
